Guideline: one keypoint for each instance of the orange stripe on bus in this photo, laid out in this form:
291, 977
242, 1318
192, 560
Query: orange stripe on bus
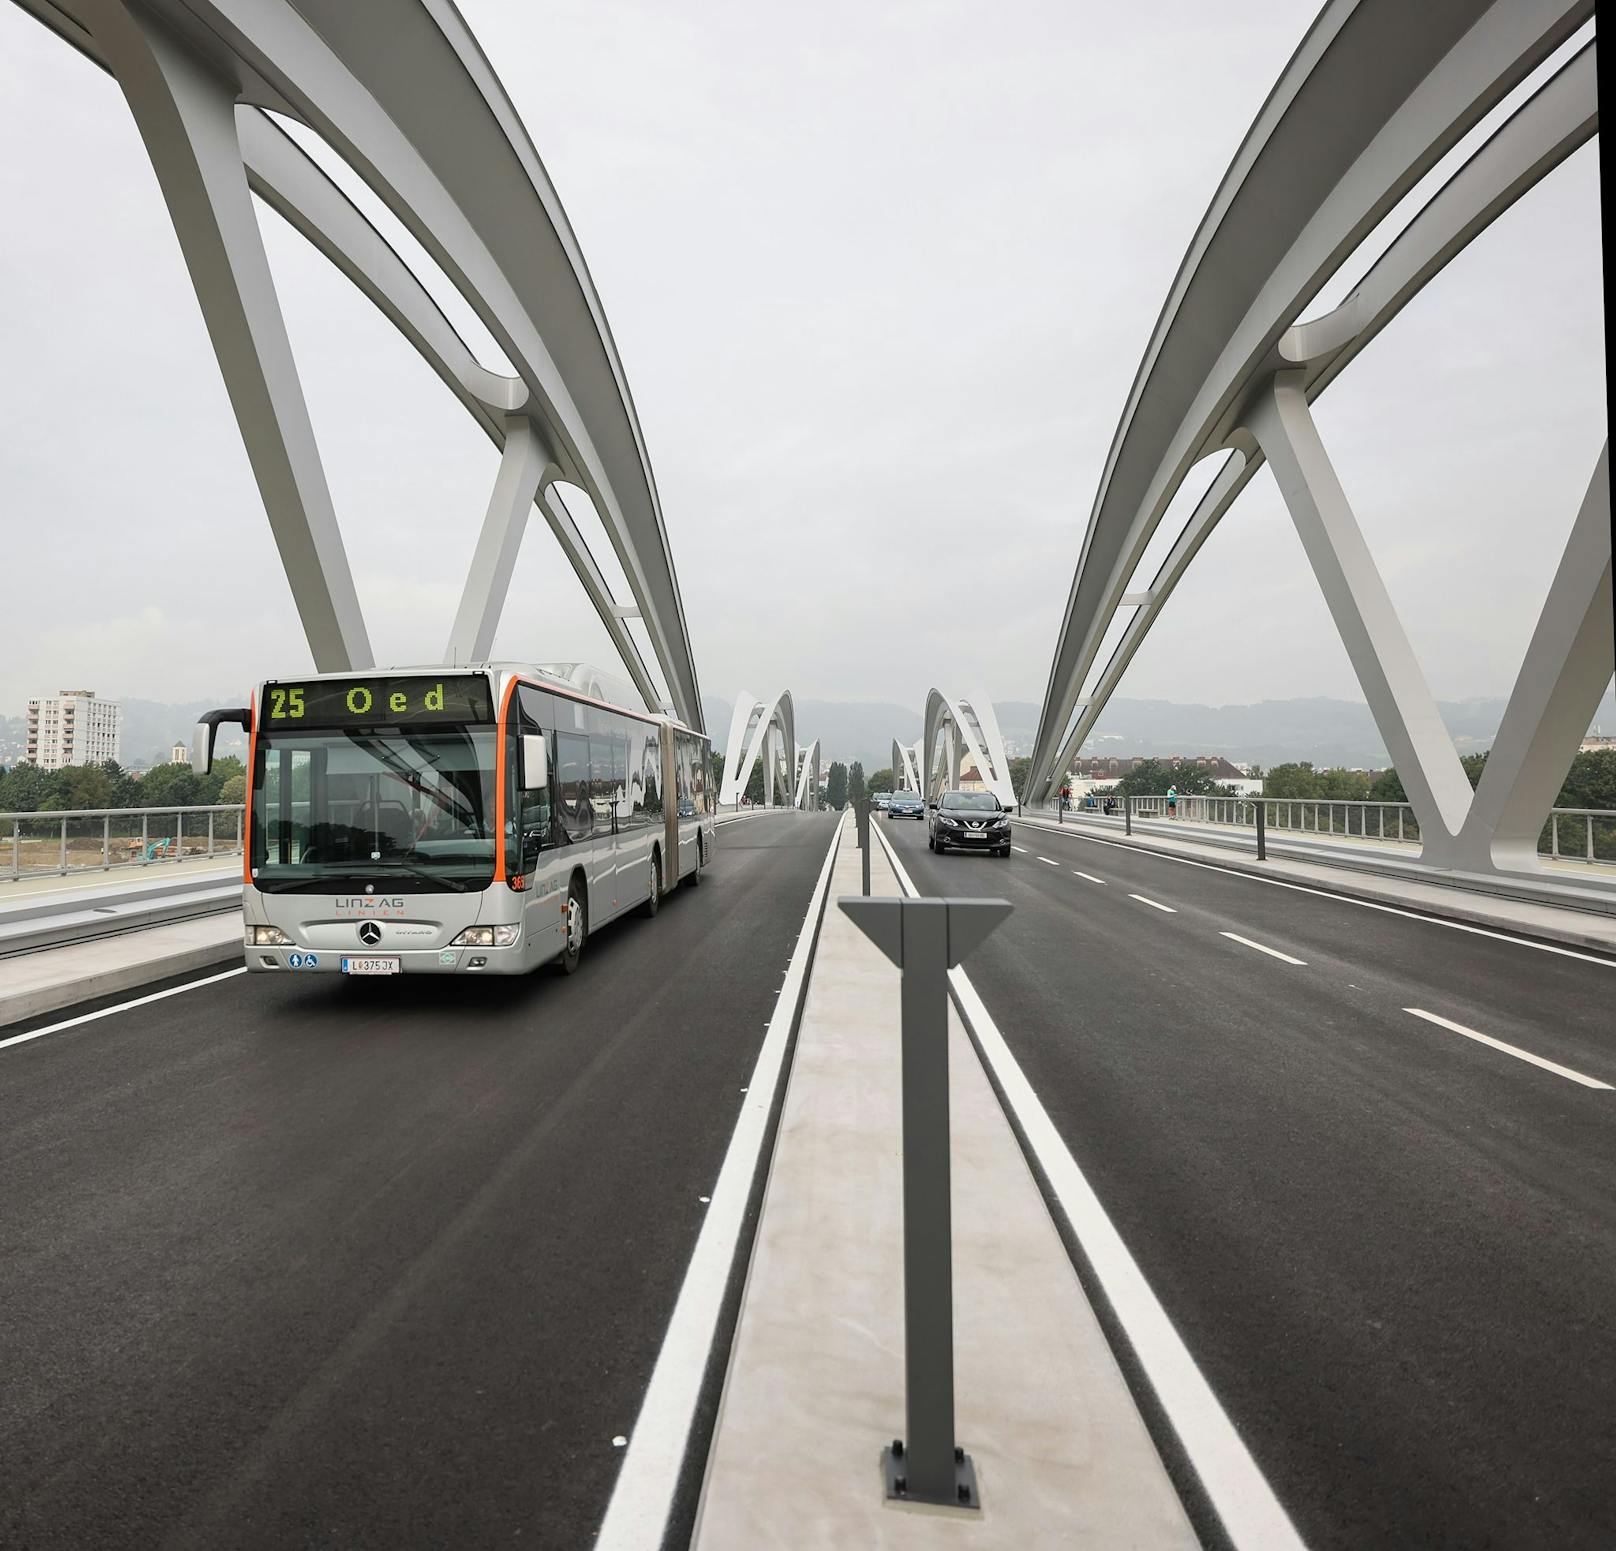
499, 782
246, 815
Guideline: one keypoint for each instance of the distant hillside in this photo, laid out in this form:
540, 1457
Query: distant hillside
1325, 731
1328, 732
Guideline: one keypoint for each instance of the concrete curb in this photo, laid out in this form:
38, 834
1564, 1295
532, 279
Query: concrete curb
73, 986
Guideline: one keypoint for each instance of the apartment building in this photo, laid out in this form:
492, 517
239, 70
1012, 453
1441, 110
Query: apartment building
72, 727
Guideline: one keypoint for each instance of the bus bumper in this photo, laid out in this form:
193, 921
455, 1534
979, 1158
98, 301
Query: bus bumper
517, 960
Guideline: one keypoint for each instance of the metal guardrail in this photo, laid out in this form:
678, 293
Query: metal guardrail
59, 842
1569, 834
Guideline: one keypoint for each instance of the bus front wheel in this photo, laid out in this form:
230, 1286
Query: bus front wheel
574, 928
653, 896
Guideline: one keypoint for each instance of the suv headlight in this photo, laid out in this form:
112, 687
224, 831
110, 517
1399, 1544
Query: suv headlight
487, 937
268, 937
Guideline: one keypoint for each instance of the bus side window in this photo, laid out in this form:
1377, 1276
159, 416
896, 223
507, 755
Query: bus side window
651, 774
699, 772
571, 780
681, 775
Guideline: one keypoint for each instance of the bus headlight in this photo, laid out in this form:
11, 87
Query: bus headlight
487, 937
268, 937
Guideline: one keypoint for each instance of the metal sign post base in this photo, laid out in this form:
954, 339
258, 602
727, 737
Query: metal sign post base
895, 1466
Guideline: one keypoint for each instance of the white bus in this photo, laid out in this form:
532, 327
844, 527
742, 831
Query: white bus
445, 820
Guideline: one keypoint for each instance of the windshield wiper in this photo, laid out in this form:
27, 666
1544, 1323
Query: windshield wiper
454, 885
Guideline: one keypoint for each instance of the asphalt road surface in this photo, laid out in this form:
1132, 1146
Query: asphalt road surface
303, 1262
1390, 1247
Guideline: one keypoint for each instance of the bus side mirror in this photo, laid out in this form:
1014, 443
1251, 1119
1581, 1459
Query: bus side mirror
202, 740
535, 774
207, 730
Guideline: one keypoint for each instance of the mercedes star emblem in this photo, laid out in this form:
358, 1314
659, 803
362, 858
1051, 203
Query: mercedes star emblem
369, 933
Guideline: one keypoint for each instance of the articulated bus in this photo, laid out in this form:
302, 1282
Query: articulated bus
445, 820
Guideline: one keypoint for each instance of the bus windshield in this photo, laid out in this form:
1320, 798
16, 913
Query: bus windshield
399, 807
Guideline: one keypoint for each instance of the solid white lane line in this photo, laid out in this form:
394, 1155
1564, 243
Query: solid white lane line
1153, 904
1251, 1514
1513, 1050
1348, 899
638, 1512
1273, 953
1046, 859
107, 1012
1090, 876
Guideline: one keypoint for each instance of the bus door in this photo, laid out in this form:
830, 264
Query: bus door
671, 871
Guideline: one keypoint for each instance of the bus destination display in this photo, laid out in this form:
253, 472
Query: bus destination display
411, 699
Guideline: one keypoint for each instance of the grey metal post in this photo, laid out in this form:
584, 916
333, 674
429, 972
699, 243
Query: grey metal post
62, 853
861, 820
1127, 815
179, 834
925, 938
1262, 831
16, 848
145, 839
106, 841
210, 831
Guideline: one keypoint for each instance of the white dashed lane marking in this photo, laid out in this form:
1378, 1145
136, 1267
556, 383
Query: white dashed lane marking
1510, 1050
1273, 953
1154, 905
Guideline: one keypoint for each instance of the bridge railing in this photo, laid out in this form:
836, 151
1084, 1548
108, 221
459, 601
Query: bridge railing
71, 840
1569, 835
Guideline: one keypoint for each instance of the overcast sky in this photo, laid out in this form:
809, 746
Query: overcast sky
880, 277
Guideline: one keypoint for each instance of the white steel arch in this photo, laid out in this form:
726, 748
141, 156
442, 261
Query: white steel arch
1230, 373
961, 729
906, 759
808, 776
761, 732
426, 123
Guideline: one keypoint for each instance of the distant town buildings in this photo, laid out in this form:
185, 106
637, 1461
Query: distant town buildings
1104, 768
72, 727
1598, 742
179, 754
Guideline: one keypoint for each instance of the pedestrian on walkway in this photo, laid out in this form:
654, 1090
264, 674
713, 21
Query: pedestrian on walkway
1172, 802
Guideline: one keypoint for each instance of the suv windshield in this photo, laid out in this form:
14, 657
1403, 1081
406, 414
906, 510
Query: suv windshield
971, 802
395, 806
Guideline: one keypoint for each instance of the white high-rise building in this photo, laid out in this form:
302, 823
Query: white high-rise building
72, 727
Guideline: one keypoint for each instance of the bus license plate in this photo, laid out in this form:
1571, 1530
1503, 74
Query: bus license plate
370, 966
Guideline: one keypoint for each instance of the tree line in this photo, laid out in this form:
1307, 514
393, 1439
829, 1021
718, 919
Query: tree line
1590, 783
25, 788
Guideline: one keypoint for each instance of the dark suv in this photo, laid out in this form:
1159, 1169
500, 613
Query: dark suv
906, 805
969, 821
